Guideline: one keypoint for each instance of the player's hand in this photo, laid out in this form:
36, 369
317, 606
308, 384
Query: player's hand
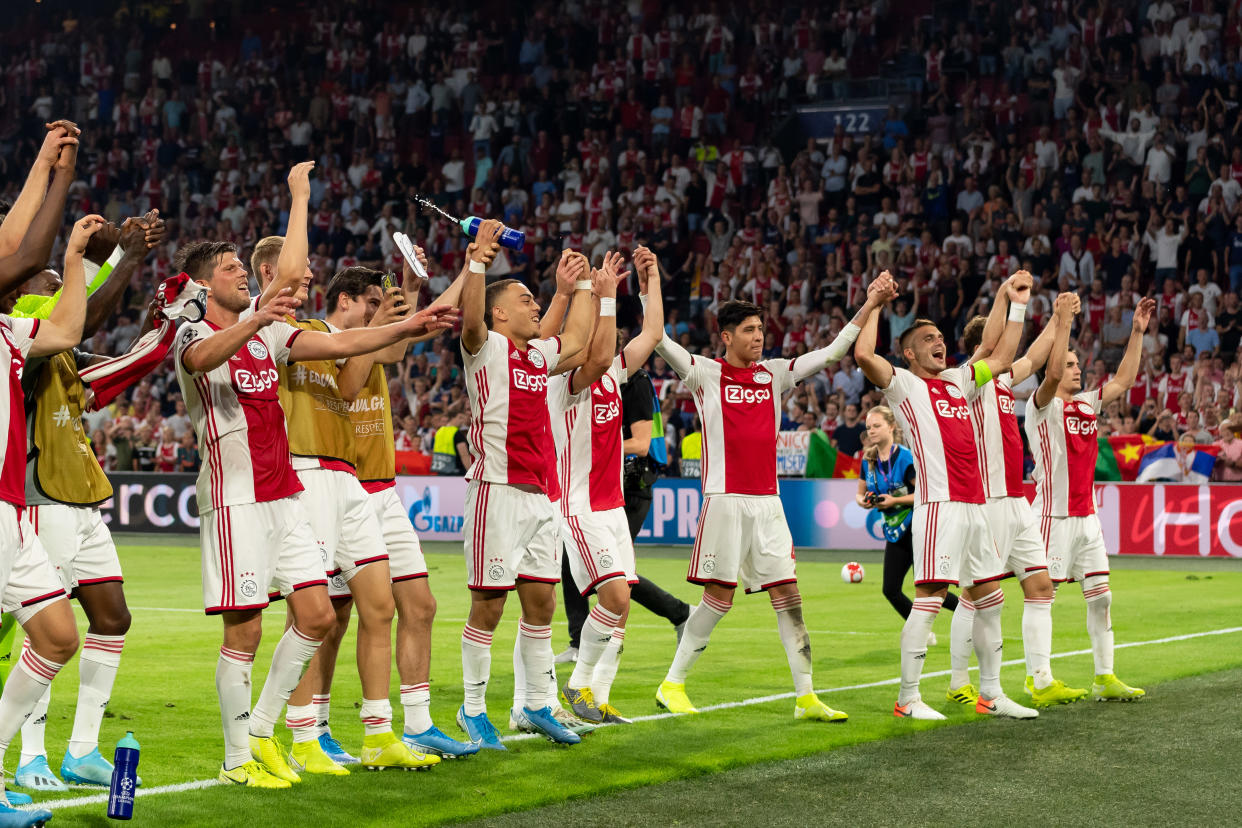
299, 180
134, 237
67, 156
57, 137
1019, 286
155, 228
647, 266
431, 320
487, 242
83, 229
393, 308
281, 306
614, 267
1066, 305
572, 268
1142, 314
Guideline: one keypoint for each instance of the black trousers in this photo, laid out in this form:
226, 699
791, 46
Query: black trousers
898, 560
645, 592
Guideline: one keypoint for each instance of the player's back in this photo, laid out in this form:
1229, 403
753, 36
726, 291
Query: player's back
997, 438
1063, 437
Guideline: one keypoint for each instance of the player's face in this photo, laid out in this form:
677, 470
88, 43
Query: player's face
927, 350
229, 284
362, 308
1071, 380
745, 342
879, 430
303, 291
520, 311
44, 283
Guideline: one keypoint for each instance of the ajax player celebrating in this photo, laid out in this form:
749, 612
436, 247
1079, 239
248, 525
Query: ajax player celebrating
742, 532
1013, 523
952, 541
1061, 428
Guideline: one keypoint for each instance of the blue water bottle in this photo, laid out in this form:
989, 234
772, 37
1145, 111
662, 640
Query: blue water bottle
510, 238
124, 778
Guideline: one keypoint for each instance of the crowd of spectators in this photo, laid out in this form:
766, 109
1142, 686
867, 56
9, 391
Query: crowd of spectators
1098, 146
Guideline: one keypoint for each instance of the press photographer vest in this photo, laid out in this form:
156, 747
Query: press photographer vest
316, 416
371, 414
62, 465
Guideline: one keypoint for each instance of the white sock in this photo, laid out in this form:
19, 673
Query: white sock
537, 655
989, 643
233, 689
796, 641
606, 667
914, 646
376, 715
416, 704
301, 721
34, 729
27, 683
101, 656
596, 633
519, 674
476, 668
1100, 626
322, 704
703, 619
961, 635
289, 660
1037, 639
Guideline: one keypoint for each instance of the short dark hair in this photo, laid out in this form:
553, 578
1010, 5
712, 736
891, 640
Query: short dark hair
352, 282
972, 336
492, 294
198, 258
1042, 372
904, 341
735, 312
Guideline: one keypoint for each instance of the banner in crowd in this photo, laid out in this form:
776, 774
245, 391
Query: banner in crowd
1137, 518
1145, 459
791, 449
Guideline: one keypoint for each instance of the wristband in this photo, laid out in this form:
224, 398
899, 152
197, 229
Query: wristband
607, 306
582, 284
477, 267
1017, 312
642, 298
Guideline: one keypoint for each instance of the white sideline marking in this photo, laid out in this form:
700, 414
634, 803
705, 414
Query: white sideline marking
180, 787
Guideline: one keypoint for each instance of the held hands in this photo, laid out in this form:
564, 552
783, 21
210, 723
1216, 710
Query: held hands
1019, 287
276, 310
299, 180
60, 134
647, 266
882, 290
430, 320
83, 229
1142, 314
572, 268
1067, 305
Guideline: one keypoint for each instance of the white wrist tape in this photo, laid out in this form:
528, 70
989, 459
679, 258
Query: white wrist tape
607, 306
582, 284
1017, 312
642, 297
477, 267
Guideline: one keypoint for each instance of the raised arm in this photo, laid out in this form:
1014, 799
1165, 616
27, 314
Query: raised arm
1036, 355
63, 329
35, 249
311, 345
550, 324
875, 368
604, 340
291, 264
1127, 371
1019, 287
638, 350
18, 219
581, 315
137, 238
810, 364
474, 289
1063, 312
993, 327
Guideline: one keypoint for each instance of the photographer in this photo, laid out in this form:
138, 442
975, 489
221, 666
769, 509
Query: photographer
887, 485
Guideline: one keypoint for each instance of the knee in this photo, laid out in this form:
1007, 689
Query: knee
317, 624
540, 612
60, 644
616, 601
114, 623
377, 612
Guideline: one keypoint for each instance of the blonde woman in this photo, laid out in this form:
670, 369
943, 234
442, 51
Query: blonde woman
887, 485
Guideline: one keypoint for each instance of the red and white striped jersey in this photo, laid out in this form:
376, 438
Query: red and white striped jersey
236, 413
934, 413
1063, 438
587, 430
509, 422
994, 417
19, 335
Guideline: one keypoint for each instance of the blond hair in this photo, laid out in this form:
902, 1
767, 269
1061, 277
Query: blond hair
265, 252
872, 452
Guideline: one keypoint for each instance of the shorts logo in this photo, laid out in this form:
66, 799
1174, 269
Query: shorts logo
953, 392
608, 384
763, 377
536, 357
338, 583
256, 349
709, 566
605, 561
944, 567
496, 572
249, 588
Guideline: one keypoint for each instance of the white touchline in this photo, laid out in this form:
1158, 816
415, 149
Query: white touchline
180, 787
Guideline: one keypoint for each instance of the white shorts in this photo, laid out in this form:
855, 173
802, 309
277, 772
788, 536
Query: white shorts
27, 578
78, 544
343, 521
1075, 547
1016, 534
510, 533
953, 544
742, 538
405, 553
600, 548
249, 547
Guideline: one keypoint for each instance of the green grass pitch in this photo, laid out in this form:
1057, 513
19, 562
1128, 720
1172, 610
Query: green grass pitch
746, 762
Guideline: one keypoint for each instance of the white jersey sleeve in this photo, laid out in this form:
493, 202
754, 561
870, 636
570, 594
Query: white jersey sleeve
189, 334
22, 332
278, 337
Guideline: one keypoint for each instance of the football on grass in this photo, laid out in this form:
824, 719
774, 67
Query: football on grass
852, 572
